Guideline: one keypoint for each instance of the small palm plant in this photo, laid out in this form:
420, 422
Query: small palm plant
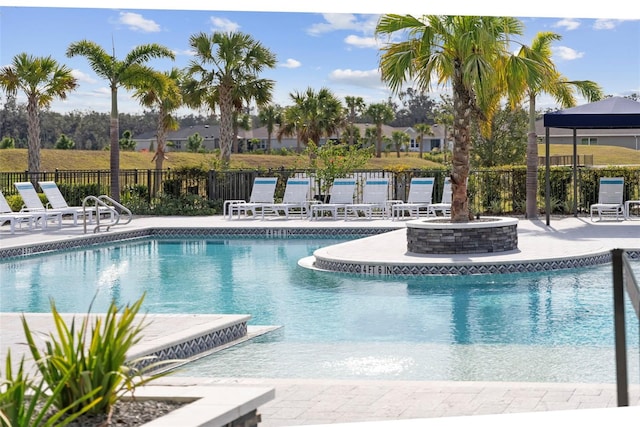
78, 361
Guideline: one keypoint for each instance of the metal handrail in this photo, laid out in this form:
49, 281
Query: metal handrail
107, 202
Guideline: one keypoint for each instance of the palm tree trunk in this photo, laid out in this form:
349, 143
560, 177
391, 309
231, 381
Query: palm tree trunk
461, 147
532, 163
114, 154
33, 137
226, 124
378, 141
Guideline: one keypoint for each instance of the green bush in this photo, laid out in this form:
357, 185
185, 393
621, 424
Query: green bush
77, 361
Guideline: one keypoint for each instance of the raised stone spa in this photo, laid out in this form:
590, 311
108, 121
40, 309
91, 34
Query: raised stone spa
441, 236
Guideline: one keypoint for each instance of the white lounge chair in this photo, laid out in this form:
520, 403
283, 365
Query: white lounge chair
295, 199
341, 195
33, 204
610, 199
57, 202
262, 194
375, 195
8, 215
445, 203
418, 202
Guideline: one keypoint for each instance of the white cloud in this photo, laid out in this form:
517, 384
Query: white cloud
344, 21
362, 42
291, 63
82, 77
567, 24
566, 53
223, 24
606, 24
368, 78
135, 22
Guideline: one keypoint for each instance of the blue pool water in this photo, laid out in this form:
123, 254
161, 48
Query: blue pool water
552, 326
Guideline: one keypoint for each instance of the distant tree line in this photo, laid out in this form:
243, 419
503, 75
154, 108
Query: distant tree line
89, 130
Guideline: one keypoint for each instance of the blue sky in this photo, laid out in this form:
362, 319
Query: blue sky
321, 46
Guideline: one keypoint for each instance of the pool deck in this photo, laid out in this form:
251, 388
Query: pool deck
319, 401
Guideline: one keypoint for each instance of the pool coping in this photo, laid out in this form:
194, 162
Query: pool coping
330, 260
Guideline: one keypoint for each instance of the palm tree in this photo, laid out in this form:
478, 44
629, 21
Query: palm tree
400, 139
291, 121
313, 115
270, 116
42, 80
422, 129
470, 53
355, 107
556, 85
130, 73
162, 93
225, 72
379, 114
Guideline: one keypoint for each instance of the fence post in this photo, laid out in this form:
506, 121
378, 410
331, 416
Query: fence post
622, 383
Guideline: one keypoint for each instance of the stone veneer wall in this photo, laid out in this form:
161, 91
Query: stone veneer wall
462, 240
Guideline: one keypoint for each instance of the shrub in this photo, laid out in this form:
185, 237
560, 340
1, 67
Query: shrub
78, 361
24, 403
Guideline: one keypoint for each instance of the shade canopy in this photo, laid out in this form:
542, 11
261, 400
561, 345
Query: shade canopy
609, 113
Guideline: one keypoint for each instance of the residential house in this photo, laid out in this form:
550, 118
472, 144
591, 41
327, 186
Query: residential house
628, 138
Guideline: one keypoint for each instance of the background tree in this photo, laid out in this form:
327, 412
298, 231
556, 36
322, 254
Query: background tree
422, 129
225, 62
7, 142
470, 53
126, 143
314, 115
400, 140
163, 95
554, 84
417, 107
443, 116
292, 120
505, 143
42, 80
355, 107
194, 142
379, 113
131, 72
270, 116
64, 143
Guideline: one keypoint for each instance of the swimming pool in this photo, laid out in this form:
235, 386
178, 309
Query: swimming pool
555, 326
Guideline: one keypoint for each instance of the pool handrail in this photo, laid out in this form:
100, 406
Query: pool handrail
115, 209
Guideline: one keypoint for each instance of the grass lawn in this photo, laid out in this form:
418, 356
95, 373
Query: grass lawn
14, 160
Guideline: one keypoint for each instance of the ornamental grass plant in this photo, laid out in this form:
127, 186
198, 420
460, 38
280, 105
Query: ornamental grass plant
86, 358
26, 403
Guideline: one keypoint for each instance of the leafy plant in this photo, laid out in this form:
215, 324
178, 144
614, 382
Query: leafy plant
24, 403
78, 361
331, 161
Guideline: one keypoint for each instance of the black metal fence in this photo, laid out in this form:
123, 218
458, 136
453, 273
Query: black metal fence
494, 191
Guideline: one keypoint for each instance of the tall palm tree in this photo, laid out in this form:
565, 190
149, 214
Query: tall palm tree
556, 85
470, 53
379, 113
355, 107
42, 80
130, 73
422, 129
226, 65
315, 114
270, 116
163, 94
